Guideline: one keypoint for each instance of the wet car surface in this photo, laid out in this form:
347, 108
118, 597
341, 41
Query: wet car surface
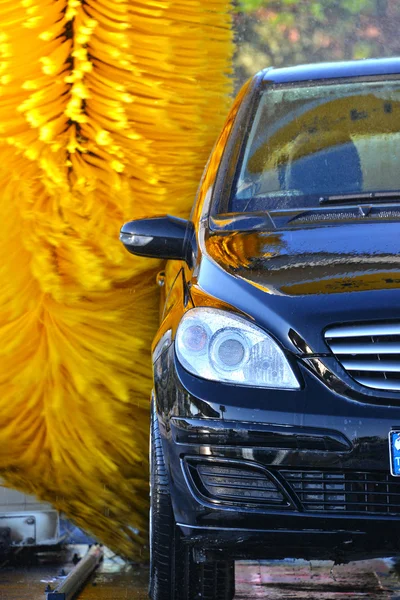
26, 578
275, 409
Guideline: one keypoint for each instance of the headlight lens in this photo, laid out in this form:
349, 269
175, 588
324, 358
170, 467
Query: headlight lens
222, 346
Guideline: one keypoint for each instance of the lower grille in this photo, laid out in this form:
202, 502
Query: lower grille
234, 484
354, 491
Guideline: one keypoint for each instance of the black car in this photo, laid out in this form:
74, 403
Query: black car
276, 404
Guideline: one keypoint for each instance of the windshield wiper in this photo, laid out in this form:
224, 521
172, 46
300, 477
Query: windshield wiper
368, 197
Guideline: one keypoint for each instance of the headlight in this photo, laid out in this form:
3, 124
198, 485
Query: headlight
222, 346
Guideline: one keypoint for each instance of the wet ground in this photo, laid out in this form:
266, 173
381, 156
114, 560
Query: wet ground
26, 577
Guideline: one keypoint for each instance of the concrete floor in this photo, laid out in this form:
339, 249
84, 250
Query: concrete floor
117, 580
25, 576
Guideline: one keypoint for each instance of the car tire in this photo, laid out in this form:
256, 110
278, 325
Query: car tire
215, 581
173, 573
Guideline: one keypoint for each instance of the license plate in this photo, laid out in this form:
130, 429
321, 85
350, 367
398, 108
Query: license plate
394, 451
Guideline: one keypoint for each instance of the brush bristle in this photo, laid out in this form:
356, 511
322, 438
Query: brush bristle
108, 110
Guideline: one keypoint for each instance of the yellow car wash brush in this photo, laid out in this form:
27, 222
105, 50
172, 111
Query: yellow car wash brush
108, 110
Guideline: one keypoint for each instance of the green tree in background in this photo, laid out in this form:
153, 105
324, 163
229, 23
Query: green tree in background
288, 32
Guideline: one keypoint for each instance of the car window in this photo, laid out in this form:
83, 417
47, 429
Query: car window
313, 141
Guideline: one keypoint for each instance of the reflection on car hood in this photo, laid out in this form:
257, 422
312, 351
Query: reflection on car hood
314, 260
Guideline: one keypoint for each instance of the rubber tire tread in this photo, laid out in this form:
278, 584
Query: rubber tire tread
215, 581
166, 581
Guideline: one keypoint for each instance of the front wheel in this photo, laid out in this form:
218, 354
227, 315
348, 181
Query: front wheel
173, 573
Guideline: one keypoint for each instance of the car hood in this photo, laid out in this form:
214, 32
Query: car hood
306, 279
319, 260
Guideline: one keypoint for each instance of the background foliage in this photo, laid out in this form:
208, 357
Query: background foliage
287, 32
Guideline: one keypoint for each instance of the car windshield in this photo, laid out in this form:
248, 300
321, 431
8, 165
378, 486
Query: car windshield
310, 143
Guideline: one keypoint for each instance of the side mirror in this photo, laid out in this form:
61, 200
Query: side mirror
159, 237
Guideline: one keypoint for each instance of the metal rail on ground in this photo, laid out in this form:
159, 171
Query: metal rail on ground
76, 579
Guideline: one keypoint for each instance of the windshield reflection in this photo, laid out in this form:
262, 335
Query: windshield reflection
308, 142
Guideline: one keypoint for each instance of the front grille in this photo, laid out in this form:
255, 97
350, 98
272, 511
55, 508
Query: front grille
350, 491
369, 353
234, 484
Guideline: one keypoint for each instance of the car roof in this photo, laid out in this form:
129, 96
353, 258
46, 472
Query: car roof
332, 70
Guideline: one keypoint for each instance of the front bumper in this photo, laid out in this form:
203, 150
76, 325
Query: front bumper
317, 542
314, 431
